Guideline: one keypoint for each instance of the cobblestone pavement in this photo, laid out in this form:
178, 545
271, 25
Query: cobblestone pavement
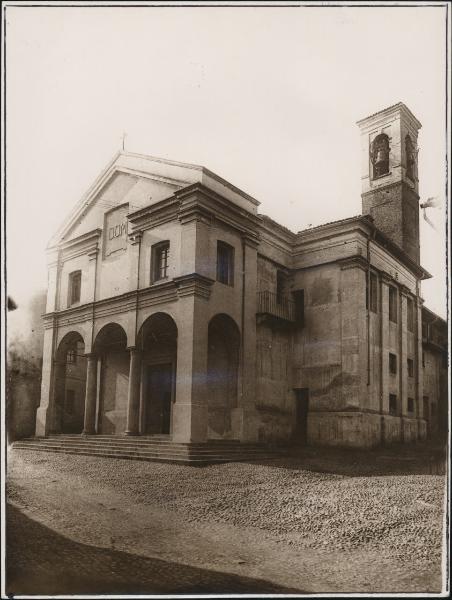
286, 521
42, 561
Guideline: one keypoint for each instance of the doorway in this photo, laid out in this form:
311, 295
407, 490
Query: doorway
301, 416
159, 394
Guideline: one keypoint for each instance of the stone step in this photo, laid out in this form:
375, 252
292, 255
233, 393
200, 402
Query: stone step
136, 443
145, 456
182, 451
146, 439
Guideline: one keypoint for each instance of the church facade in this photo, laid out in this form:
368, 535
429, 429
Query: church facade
175, 308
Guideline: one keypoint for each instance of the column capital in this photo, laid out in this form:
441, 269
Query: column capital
193, 284
134, 349
354, 262
135, 237
92, 254
250, 239
405, 291
386, 278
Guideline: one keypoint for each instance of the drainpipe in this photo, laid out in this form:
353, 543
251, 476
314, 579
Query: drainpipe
94, 296
368, 309
137, 239
242, 361
53, 410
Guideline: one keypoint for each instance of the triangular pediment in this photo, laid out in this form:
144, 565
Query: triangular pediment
124, 182
138, 181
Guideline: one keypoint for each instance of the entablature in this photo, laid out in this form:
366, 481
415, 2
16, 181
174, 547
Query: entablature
85, 244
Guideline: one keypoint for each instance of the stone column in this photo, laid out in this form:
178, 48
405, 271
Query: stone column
133, 406
89, 427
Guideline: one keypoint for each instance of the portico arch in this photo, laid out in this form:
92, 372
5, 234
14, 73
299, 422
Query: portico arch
222, 374
157, 343
110, 347
70, 384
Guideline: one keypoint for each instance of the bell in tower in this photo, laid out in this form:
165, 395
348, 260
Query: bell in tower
380, 155
389, 175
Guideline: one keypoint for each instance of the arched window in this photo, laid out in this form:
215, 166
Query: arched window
379, 155
410, 158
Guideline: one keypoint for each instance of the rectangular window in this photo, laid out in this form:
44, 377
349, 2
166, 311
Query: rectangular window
392, 404
423, 359
225, 263
160, 261
410, 315
393, 304
298, 297
75, 284
372, 293
424, 331
392, 363
433, 409
410, 367
410, 406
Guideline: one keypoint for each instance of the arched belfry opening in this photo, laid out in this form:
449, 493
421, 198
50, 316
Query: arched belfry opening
410, 157
157, 342
380, 155
70, 384
110, 347
222, 375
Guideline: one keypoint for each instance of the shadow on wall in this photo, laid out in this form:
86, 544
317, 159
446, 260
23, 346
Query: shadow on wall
41, 561
24, 365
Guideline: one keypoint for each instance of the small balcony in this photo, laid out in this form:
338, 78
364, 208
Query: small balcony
276, 308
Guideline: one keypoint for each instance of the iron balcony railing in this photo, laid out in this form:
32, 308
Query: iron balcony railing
269, 303
432, 336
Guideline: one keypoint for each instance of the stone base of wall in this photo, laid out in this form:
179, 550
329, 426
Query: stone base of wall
346, 429
362, 430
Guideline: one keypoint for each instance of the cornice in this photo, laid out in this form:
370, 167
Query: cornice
164, 211
84, 244
152, 295
198, 201
389, 186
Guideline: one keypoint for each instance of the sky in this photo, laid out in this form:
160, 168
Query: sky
268, 98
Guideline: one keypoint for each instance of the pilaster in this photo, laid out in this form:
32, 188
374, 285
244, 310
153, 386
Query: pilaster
190, 408
44, 414
133, 404
353, 331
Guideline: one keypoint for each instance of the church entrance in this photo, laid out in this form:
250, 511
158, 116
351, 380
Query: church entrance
157, 341
159, 391
70, 384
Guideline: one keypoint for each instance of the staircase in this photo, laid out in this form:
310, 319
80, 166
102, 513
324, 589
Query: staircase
151, 448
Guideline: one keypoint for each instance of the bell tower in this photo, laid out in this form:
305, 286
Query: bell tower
390, 184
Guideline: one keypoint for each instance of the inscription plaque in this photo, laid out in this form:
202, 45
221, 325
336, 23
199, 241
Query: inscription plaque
115, 231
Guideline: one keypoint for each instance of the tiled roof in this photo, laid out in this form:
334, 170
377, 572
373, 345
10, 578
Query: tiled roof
347, 220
